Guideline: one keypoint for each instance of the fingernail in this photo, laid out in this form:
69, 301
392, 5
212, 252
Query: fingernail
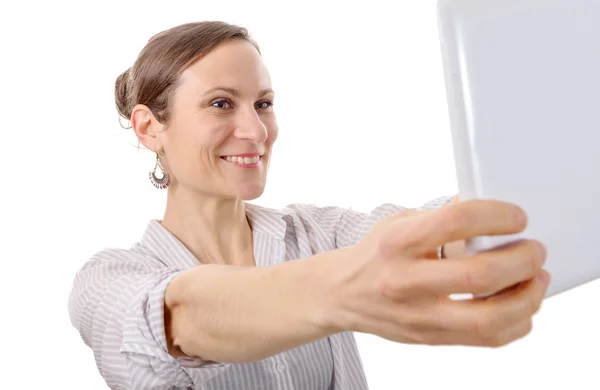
523, 216
543, 250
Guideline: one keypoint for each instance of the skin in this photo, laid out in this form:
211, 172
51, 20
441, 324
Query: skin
205, 207
389, 284
394, 288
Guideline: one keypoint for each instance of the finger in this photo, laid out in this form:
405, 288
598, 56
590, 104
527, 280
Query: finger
447, 322
454, 222
431, 255
542, 278
455, 249
486, 318
503, 338
408, 213
455, 199
510, 335
483, 273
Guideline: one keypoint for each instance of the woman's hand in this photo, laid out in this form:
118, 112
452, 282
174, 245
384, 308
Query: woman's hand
391, 287
455, 249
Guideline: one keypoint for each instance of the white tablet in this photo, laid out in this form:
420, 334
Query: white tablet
523, 88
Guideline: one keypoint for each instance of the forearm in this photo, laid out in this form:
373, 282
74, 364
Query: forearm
241, 314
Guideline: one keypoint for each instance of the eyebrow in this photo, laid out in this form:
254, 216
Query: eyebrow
235, 92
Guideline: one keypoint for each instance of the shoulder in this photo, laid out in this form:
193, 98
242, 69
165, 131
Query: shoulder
122, 260
298, 218
312, 215
308, 210
305, 213
326, 215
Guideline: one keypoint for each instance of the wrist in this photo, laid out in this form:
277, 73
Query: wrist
337, 273
319, 280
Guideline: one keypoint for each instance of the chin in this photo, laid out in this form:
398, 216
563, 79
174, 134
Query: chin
251, 195
249, 192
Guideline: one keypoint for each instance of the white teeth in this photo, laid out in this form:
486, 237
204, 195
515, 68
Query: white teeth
243, 160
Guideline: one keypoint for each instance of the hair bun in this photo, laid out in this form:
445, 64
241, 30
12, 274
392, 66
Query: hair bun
122, 94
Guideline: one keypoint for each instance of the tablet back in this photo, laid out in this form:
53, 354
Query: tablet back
523, 87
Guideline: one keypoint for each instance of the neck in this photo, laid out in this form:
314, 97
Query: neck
215, 230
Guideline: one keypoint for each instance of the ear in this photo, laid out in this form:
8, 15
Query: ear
146, 127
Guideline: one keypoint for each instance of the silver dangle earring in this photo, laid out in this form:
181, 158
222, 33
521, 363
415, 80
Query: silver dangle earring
162, 182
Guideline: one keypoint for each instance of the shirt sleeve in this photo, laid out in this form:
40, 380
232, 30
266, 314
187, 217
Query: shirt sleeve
340, 227
117, 305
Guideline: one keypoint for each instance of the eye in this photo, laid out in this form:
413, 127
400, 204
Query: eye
222, 104
265, 104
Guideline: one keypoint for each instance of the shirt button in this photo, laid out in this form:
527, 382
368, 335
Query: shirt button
280, 367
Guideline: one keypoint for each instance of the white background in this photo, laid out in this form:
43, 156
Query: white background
360, 95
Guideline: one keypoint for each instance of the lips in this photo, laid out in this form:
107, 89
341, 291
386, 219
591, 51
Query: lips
243, 155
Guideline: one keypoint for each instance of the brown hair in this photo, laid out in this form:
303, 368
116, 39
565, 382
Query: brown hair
154, 76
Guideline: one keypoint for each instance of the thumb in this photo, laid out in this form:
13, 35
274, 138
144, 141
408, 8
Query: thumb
409, 213
455, 200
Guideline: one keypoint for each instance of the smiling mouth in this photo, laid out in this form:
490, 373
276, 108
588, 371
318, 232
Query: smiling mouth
244, 161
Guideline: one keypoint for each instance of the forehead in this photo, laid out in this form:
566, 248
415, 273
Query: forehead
233, 64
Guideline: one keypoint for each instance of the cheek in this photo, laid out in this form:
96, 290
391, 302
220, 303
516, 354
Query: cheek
194, 148
202, 134
207, 145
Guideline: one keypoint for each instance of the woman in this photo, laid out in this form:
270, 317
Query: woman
223, 294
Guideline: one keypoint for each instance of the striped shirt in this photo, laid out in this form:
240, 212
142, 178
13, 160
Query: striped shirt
116, 305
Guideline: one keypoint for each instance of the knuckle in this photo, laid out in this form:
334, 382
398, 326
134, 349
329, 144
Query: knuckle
394, 240
420, 328
482, 328
408, 319
392, 286
388, 286
477, 277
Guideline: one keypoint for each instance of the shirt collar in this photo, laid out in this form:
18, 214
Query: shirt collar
163, 244
266, 220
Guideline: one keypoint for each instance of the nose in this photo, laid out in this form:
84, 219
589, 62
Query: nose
251, 127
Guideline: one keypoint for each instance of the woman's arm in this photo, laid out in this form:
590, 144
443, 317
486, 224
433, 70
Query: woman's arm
383, 285
116, 304
242, 314
134, 313
230, 314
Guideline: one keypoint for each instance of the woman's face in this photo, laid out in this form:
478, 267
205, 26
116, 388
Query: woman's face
222, 125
